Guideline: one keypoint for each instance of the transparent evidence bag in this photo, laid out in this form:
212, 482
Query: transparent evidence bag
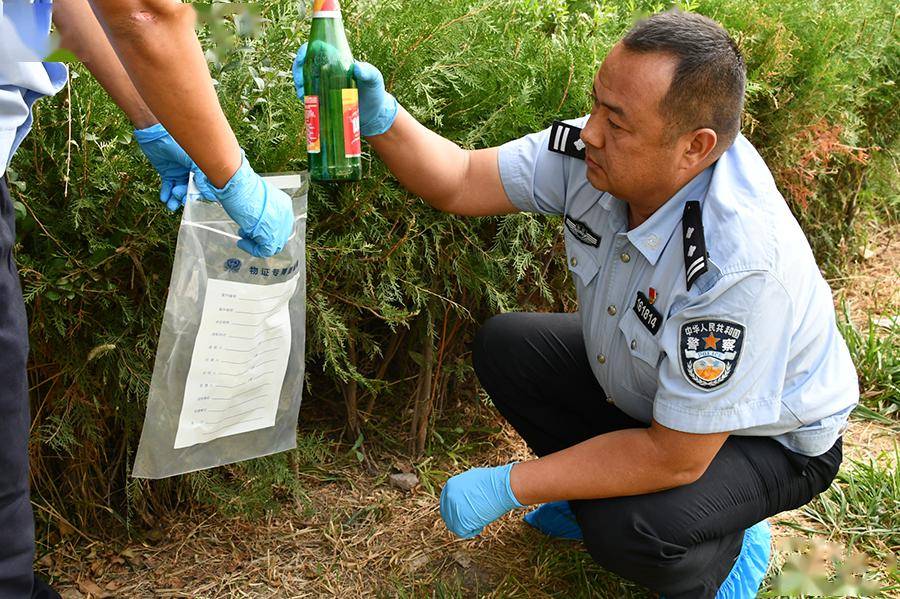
229, 368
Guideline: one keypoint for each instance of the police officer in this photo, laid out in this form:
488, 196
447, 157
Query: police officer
166, 81
703, 386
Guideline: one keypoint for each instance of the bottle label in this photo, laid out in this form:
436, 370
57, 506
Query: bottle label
326, 9
313, 140
350, 102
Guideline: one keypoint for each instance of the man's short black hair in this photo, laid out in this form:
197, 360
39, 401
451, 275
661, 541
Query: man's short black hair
707, 89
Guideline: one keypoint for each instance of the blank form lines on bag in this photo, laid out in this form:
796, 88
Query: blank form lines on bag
239, 361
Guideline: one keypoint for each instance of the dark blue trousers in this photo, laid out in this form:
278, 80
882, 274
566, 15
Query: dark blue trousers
16, 519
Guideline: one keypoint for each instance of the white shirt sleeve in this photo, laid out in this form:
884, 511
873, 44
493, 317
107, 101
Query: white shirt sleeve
534, 178
725, 356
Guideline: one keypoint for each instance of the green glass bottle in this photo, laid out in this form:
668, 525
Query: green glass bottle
333, 142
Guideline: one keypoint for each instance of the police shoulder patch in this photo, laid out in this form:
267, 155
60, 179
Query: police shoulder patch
709, 350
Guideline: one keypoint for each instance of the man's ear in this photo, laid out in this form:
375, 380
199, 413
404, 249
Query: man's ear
700, 144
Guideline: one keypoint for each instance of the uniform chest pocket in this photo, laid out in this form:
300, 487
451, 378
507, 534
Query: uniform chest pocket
642, 377
581, 259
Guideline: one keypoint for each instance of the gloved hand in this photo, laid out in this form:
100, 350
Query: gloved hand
377, 108
264, 213
169, 160
472, 500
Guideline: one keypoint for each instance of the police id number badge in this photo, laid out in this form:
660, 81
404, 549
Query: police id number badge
709, 351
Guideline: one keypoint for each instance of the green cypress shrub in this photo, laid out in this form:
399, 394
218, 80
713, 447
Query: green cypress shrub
395, 289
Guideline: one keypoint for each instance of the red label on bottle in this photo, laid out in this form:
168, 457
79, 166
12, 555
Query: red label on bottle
352, 142
313, 141
326, 8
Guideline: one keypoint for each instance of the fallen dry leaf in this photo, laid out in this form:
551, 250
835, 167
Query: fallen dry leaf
89, 587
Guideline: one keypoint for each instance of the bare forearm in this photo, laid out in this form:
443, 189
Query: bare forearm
155, 41
449, 178
424, 162
616, 464
83, 36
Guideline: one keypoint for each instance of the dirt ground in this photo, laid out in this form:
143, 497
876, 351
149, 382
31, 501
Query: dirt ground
356, 535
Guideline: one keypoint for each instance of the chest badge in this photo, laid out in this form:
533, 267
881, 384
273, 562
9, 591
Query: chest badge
647, 312
582, 232
709, 351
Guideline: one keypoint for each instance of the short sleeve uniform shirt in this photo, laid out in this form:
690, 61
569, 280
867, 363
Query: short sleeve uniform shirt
751, 346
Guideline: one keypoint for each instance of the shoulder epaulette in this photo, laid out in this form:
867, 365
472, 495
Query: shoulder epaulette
694, 243
566, 139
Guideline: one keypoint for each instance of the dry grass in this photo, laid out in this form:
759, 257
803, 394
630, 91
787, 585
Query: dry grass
873, 288
355, 537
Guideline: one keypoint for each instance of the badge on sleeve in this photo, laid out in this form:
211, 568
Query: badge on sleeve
709, 351
566, 139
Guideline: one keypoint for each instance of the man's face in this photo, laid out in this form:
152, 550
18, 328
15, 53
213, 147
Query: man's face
629, 151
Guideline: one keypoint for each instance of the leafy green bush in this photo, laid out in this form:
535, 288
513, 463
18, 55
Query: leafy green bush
395, 289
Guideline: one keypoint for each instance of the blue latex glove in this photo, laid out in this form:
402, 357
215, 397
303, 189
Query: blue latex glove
472, 500
377, 108
555, 519
265, 213
169, 160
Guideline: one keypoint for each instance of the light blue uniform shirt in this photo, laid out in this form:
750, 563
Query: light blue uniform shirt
24, 79
778, 366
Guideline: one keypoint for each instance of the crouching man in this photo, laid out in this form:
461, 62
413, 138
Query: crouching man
703, 385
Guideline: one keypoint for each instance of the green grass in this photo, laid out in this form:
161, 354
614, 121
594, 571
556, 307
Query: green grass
863, 506
565, 569
875, 351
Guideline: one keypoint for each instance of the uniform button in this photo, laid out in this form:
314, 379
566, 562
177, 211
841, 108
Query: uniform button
612, 310
574, 261
601, 358
633, 344
610, 399
652, 241
625, 257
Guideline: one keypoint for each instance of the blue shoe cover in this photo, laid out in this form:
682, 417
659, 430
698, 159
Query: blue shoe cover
748, 572
556, 520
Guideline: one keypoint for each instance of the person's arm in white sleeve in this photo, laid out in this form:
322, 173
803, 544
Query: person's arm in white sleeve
725, 356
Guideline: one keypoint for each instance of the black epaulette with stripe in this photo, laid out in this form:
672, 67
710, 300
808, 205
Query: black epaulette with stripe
695, 255
566, 139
